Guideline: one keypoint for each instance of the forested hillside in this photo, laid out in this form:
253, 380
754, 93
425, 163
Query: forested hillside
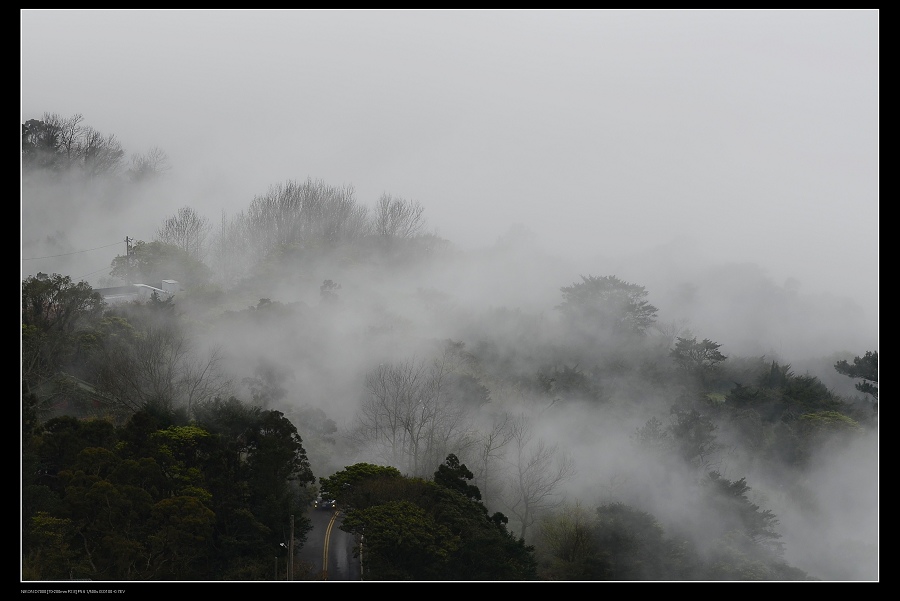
496, 415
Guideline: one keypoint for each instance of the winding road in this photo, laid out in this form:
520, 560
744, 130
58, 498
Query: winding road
328, 552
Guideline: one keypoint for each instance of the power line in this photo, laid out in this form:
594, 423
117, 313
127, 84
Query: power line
72, 253
81, 277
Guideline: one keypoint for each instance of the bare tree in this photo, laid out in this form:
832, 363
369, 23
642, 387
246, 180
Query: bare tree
157, 364
398, 218
60, 144
231, 249
666, 333
388, 415
69, 132
148, 166
100, 155
488, 450
448, 429
567, 536
51, 141
538, 470
304, 214
201, 380
408, 420
187, 230
140, 366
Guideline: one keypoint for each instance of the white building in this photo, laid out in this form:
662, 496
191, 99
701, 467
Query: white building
138, 292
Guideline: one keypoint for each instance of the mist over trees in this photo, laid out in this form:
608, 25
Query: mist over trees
59, 145
864, 368
499, 415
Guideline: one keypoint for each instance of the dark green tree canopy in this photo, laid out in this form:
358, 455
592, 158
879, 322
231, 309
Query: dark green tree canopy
341, 485
155, 472
609, 303
41, 142
780, 395
56, 313
427, 530
455, 476
53, 145
691, 355
865, 368
55, 302
698, 360
693, 434
756, 527
630, 545
152, 262
162, 497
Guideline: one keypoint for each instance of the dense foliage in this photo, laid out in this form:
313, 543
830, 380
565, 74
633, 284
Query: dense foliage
145, 456
864, 368
162, 497
415, 529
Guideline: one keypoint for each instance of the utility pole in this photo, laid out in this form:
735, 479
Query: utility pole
291, 551
128, 253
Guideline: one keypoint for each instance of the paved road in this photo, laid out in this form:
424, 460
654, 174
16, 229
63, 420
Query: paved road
328, 552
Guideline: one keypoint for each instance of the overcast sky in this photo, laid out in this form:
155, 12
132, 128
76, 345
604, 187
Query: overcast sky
633, 143
751, 135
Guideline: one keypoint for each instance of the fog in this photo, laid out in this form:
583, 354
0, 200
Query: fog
727, 161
